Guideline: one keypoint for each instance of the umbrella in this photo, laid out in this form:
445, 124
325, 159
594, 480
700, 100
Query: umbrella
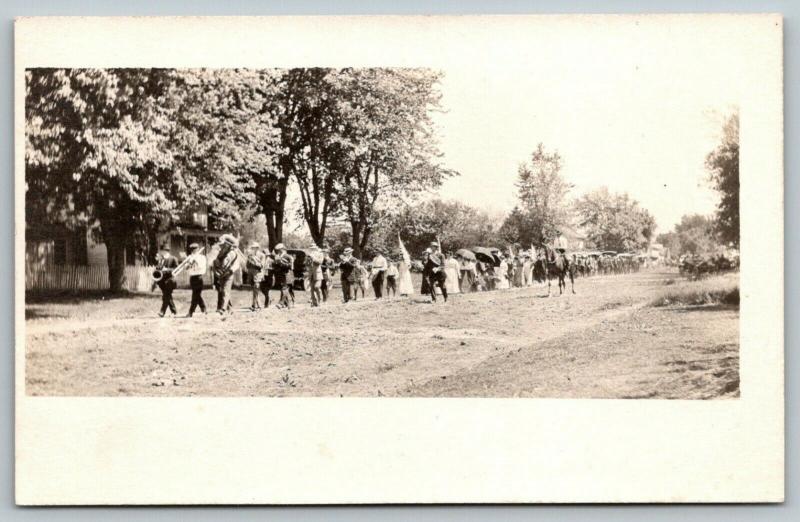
465, 254
486, 255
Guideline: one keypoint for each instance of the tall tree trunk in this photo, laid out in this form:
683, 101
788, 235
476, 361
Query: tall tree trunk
273, 204
361, 233
356, 227
365, 233
115, 242
118, 229
152, 244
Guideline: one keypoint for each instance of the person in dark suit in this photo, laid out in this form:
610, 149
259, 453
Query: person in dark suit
224, 265
255, 271
284, 277
434, 272
166, 264
350, 274
267, 277
328, 267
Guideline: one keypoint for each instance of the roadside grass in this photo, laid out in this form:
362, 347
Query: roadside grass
720, 290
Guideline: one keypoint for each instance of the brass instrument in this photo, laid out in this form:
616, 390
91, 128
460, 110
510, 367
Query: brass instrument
158, 273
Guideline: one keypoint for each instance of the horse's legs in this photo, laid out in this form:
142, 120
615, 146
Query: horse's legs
572, 281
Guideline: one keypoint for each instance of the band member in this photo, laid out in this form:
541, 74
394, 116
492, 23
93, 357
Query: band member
328, 267
425, 287
225, 264
196, 269
391, 279
255, 270
267, 277
166, 264
350, 274
434, 272
290, 277
313, 266
363, 279
284, 276
378, 272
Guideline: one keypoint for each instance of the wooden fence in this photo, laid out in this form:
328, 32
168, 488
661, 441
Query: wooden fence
77, 278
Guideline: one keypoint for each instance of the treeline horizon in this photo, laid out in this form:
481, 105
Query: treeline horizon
128, 151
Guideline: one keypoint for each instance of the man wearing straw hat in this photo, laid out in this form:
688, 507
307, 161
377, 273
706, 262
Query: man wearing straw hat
328, 267
434, 272
282, 268
313, 266
167, 263
225, 264
348, 265
378, 272
196, 270
255, 270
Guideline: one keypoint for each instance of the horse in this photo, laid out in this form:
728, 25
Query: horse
558, 266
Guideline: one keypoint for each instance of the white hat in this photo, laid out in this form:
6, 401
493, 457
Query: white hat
280, 246
229, 240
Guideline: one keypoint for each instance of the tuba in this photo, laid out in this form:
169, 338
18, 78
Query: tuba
159, 273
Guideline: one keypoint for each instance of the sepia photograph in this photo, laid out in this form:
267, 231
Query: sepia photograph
366, 232
371, 246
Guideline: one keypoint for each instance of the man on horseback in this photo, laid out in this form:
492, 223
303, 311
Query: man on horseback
557, 264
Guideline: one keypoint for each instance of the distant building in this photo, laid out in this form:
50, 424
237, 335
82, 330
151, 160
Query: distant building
571, 238
55, 244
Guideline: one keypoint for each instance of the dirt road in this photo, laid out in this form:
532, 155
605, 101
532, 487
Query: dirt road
605, 341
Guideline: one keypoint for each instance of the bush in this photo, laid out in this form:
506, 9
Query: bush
713, 290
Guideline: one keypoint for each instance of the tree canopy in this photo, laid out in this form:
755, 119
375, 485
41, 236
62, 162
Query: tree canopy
131, 149
695, 234
543, 209
723, 166
614, 221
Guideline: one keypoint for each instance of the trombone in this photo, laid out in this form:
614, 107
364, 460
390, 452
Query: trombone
159, 273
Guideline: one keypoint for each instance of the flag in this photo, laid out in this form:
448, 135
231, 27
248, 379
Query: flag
440, 244
406, 255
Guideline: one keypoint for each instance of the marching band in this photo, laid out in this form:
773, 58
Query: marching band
441, 275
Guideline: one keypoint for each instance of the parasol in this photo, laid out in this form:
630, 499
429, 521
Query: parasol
486, 255
465, 254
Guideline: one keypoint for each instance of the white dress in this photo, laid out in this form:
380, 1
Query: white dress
502, 276
451, 269
404, 284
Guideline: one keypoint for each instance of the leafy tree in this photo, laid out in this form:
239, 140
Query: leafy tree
133, 149
226, 142
695, 234
95, 153
671, 242
723, 165
311, 138
455, 224
386, 144
614, 221
543, 208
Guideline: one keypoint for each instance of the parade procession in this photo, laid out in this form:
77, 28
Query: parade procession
315, 271
339, 231
388, 259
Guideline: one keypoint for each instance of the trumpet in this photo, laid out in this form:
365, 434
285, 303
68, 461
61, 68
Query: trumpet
159, 273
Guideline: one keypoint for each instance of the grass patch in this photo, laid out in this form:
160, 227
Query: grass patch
722, 289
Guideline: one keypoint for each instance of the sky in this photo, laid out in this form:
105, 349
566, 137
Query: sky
635, 121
